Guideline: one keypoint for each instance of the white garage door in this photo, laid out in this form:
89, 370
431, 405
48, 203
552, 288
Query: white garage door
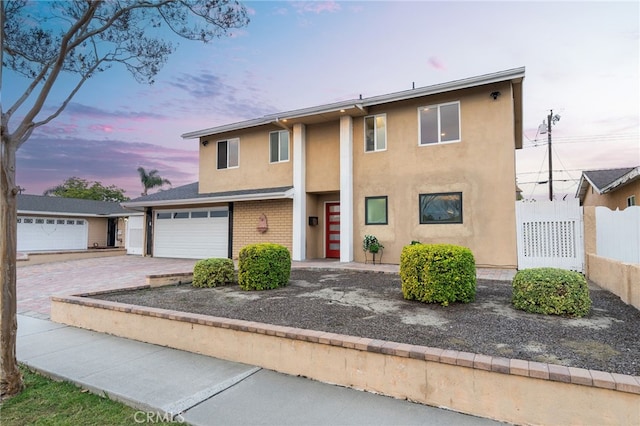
191, 234
51, 233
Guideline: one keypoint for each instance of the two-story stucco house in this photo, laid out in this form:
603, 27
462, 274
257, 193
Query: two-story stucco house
434, 164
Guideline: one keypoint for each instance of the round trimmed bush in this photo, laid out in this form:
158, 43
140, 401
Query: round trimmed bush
213, 272
438, 273
551, 291
263, 266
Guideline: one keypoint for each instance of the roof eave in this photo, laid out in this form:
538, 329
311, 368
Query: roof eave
622, 180
209, 200
54, 213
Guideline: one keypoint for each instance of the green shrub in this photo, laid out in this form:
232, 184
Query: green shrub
438, 273
263, 266
213, 272
551, 291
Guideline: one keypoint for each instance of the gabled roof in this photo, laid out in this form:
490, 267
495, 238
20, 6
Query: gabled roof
606, 180
41, 204
358, 107
188, 194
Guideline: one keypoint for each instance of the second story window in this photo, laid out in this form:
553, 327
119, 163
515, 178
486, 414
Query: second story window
278, 146
631, 201
375, 133
439, 123
228, 153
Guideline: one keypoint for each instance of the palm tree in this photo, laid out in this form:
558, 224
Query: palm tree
151, 179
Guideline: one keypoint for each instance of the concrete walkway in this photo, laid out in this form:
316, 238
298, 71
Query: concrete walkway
201, 390
197, 389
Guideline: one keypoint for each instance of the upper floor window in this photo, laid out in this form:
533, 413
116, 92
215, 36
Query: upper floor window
375, 133
279, 146
228, 153
439, 123
631, 201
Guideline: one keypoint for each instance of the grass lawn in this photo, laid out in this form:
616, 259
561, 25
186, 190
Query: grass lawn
47, 402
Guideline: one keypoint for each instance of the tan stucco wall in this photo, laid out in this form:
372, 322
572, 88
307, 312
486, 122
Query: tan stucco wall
518, 395
323, 157
254, 169
246, 215
481, 166
97, 231
614, 200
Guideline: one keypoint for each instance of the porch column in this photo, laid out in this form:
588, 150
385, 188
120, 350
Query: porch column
346, 189
299, 242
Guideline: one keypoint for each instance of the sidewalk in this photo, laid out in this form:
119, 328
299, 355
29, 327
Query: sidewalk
202, 390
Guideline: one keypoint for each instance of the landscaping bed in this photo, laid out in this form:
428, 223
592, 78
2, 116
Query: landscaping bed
371, 305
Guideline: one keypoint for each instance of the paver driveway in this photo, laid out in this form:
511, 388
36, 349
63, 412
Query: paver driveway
37, 283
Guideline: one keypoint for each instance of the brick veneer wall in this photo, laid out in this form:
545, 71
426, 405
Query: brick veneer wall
246, 215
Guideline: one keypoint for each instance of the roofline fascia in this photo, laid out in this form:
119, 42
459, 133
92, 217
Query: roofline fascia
506, 75
209, 200
52, 213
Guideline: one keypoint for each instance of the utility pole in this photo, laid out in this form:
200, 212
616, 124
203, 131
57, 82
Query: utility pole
551, 119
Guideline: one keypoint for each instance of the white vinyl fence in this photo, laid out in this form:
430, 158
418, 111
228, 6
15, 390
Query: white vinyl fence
618, 234
550, 234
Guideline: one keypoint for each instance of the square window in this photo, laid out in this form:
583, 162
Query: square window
279, 146
375, 210
375, 133
443, 207
228, 153
439, 123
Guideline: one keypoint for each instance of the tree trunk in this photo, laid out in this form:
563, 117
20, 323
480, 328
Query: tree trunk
10, 377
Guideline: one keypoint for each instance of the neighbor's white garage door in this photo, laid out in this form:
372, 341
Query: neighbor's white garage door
192, 233
51, 233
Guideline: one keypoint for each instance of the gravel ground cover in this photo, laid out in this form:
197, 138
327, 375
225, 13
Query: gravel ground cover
371, 305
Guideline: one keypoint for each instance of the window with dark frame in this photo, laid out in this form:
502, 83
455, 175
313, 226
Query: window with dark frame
375, 210
228, 153
444, 207
279, 146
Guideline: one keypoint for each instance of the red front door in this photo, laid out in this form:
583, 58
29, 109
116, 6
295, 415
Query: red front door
332, 241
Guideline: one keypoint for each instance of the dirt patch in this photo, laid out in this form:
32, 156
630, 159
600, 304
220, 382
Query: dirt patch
371, 305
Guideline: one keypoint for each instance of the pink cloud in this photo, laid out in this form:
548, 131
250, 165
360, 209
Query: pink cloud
101, 128
436, 63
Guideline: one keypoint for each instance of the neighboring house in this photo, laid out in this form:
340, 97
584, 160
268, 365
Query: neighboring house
434, 164
56, 223
612, 188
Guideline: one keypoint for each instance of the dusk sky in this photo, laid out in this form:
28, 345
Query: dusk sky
581, 58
